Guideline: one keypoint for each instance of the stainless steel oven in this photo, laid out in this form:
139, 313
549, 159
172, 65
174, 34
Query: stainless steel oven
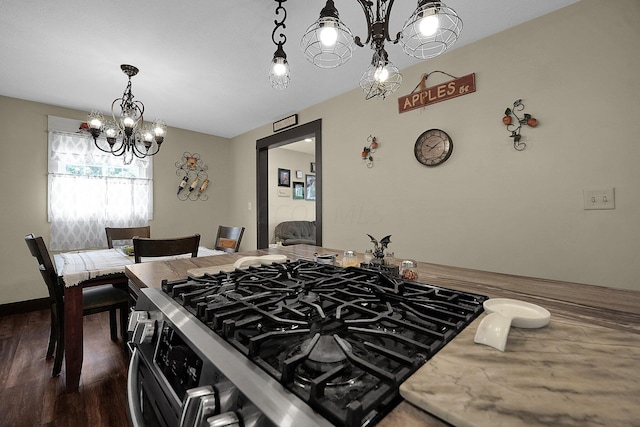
294, 344
176, 376
149, 405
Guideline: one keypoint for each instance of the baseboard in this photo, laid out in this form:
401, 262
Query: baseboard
21, 307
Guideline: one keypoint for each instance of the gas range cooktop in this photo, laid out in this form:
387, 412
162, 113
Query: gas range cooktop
341, 339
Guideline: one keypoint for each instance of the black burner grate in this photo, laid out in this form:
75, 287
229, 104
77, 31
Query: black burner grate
343, 340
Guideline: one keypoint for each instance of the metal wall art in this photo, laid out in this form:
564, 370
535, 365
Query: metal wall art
368, 150
515, 126
194, 179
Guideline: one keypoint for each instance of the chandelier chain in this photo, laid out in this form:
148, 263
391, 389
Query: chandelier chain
280, 24
279, 67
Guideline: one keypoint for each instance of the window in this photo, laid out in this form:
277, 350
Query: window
90, 190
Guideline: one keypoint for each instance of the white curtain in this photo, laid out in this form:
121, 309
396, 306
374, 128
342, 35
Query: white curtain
90, 190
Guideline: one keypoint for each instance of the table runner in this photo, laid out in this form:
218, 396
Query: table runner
79, 266
75, 267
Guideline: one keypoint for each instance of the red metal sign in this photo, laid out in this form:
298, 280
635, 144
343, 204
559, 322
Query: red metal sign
442, 92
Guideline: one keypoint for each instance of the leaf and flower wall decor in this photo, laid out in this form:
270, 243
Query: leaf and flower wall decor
514, 126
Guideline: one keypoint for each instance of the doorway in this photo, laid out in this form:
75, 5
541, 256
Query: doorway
308, 130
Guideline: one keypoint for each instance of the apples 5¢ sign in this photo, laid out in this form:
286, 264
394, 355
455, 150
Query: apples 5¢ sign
442, 92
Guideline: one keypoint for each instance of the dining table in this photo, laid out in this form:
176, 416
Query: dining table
82, 269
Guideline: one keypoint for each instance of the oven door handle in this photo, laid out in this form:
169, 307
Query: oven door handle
133, 390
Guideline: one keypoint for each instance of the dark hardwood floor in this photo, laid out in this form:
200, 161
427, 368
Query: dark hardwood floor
29, 396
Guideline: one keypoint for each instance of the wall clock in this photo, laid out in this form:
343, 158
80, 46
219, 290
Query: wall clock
433, 147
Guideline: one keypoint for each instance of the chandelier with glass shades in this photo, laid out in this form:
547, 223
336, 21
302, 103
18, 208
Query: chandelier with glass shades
128, 135
328, 43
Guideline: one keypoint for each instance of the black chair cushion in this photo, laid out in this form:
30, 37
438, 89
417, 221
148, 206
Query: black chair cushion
99, 296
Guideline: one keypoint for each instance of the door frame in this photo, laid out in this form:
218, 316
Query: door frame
308, 130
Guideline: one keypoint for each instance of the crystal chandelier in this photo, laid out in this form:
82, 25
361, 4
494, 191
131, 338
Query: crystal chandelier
328, 43
127, 136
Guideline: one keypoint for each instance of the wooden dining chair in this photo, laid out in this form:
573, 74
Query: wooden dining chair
146, 247
229, 238
126, 233
95, 299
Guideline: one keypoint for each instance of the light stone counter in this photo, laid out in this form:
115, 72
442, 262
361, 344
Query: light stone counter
569, 373
580, 370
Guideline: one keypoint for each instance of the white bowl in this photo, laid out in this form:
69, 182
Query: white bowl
522, 314
493, 331
502, 313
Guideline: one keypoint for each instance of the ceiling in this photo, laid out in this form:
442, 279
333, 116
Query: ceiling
306, 146
203, 63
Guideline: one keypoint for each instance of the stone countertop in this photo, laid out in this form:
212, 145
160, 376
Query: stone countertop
569, 373
577, 371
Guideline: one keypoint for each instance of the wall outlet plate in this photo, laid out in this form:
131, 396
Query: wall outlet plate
600, 198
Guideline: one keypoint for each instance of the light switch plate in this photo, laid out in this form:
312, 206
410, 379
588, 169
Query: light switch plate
601, 198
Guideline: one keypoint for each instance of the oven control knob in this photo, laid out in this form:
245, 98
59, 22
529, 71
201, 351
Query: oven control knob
143, 332
227, 395
199, 403
135, 317
228, 419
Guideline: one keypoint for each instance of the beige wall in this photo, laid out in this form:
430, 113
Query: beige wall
23, 189
489, 206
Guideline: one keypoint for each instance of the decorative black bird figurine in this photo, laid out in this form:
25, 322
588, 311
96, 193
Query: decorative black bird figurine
379, 247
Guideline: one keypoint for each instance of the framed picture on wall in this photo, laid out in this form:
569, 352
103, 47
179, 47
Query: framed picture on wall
284, 177
298, 190
299, 175
310, 187
313, 167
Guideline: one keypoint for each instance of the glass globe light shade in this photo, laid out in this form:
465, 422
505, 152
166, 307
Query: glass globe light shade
279, 68
128, 121
279, 73
110, 129
95, 120
147, 137
159, 130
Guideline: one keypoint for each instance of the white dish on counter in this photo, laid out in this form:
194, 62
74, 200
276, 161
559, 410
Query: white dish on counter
249, 261
522, 314
502, 313
244, 262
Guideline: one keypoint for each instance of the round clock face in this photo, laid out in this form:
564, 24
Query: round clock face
433, 147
